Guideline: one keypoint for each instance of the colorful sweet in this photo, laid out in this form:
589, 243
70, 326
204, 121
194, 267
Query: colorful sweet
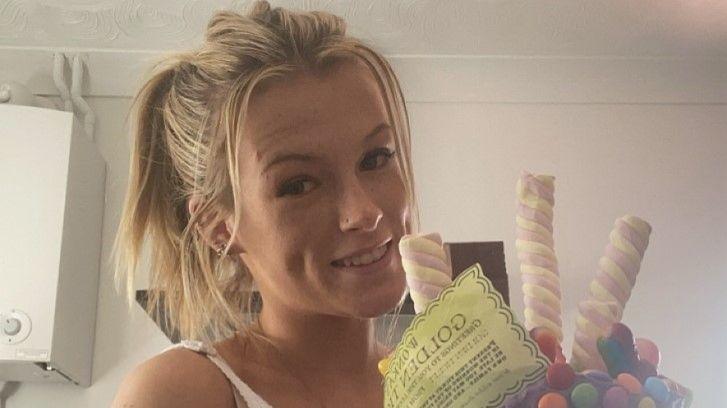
593, 321
620, 387
548, 344
623, 336
383, 365
552, 400
426, 266
615, 397
629, 382
657, 389
646, 402
613, 355
612, 285
585, 395
648, 351
534, 243
643, 370
560, 376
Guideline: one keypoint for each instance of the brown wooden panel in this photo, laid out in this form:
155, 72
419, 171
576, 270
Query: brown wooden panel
490, 256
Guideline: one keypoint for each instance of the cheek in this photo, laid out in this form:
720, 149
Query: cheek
396, 198
296, 231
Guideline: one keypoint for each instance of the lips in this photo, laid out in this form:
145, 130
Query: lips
361, 252
379, 264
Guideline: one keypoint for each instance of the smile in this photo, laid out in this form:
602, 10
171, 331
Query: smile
370, 258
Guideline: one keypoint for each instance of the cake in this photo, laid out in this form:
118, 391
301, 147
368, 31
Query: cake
608, 368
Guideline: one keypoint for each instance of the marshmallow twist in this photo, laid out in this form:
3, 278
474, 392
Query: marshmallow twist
612, 286
621, 261
428, 271
538, 263
427, 267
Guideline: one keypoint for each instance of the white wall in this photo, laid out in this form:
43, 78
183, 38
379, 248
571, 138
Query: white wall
645, 137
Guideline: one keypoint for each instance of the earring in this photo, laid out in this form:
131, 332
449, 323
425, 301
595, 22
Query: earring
220, 249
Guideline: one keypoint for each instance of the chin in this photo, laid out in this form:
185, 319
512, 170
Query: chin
380, 300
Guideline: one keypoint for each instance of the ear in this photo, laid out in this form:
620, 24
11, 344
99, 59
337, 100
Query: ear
408, 221
214, 229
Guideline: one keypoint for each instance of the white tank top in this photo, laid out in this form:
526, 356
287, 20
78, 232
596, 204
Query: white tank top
244, 395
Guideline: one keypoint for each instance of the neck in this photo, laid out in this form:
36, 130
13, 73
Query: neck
327, 344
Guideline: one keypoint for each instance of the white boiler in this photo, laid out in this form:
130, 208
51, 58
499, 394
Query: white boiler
52, 181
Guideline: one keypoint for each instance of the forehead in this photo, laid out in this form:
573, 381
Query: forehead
344, 101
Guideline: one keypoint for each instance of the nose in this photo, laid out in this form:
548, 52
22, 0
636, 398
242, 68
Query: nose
359, 210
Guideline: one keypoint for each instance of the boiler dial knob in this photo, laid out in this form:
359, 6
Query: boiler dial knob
11, 326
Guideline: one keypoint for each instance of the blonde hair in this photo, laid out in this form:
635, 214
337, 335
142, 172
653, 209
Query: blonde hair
186, 128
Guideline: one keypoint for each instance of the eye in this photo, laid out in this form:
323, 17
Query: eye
376, 154
294, 187
372, 161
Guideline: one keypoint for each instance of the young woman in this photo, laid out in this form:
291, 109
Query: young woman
277, 155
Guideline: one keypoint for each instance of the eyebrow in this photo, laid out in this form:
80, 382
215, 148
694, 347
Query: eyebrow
308, 158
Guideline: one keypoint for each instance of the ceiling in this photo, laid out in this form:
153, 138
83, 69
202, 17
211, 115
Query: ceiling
549, 28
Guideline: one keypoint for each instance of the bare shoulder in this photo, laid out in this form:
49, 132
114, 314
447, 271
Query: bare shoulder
175, 378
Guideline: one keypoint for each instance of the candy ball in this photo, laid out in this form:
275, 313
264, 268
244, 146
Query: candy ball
648, 351
616, 397
643, 370
547, 343
584, 395
646, 402
657, 389
384, 365
623, 335
629, 382
552, 400
613, 356
560, 376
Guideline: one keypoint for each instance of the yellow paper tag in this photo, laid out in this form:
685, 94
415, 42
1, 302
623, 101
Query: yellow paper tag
466, 349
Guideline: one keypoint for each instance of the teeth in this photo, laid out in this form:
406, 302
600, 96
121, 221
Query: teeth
365, 259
